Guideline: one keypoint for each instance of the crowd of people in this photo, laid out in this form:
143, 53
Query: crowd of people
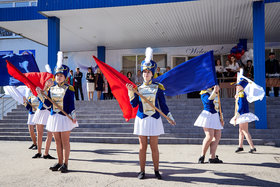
95, 82
228, 73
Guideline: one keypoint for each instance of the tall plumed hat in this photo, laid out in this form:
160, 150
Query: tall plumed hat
60, 68
148, 63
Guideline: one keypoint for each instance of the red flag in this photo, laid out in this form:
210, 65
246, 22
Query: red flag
117, 82
31, 80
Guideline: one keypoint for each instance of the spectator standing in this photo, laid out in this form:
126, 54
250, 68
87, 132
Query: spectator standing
71, 79
168, 69
139, 78
234, 65
99, 83
219, 69
129, 76
158, 73
272, 69
78, 84
90, 83
229, 72
249, 69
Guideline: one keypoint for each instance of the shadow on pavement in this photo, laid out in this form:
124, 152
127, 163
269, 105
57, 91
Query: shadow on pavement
107, 151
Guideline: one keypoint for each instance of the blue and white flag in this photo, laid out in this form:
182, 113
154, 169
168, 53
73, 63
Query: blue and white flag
25, 63
253, 91
193, 75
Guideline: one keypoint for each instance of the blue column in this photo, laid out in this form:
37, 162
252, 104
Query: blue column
259, 60
101, 53
53, 40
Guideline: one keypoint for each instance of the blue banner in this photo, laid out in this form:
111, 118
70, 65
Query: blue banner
24, 63
193, 75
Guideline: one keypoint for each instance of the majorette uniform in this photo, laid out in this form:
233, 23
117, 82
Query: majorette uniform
33, 100
208, 118
42, 114
243, 115
148, 121
63, 95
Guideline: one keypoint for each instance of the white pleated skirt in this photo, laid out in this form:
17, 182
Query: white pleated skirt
208, 120
245, 118
90, 86
41, 117
148, 126
30, 119
60, 123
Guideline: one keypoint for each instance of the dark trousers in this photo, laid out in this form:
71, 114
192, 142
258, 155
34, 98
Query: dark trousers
275, 89
78, 87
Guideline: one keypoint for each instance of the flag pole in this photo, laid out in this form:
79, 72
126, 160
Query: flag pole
29, 104
146, 100
235, 109
220, 109
140, 95
56, 105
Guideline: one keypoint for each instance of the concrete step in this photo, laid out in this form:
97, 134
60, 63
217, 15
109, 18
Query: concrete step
102, 121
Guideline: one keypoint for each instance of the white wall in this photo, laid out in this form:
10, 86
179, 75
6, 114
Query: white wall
15, 45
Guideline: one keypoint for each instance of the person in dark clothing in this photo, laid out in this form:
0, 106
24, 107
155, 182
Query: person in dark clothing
272, 68
249, 69
99, 83
129, 76
78, 84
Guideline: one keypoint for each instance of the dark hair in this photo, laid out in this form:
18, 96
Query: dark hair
78, 68
71, 70
250, 61
217, 61
89, 68
271, 53
129, 73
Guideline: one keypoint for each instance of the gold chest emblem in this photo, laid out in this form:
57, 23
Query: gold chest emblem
34, 102
57, 95
148, 91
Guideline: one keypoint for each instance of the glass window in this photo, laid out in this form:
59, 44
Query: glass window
34, 3
22, 4
160, 59
140, 58
129, 64
6, 5
4, 32
177, 60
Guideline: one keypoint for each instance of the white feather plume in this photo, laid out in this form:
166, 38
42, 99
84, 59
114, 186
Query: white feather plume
48, 68
241, 71
240, 74
148, 54
59, 59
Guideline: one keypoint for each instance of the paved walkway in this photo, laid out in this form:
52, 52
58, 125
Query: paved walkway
117, 165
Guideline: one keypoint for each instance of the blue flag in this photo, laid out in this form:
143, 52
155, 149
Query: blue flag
25, 63
193, 75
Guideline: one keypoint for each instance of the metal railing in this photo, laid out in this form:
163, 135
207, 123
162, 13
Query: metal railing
6, 105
